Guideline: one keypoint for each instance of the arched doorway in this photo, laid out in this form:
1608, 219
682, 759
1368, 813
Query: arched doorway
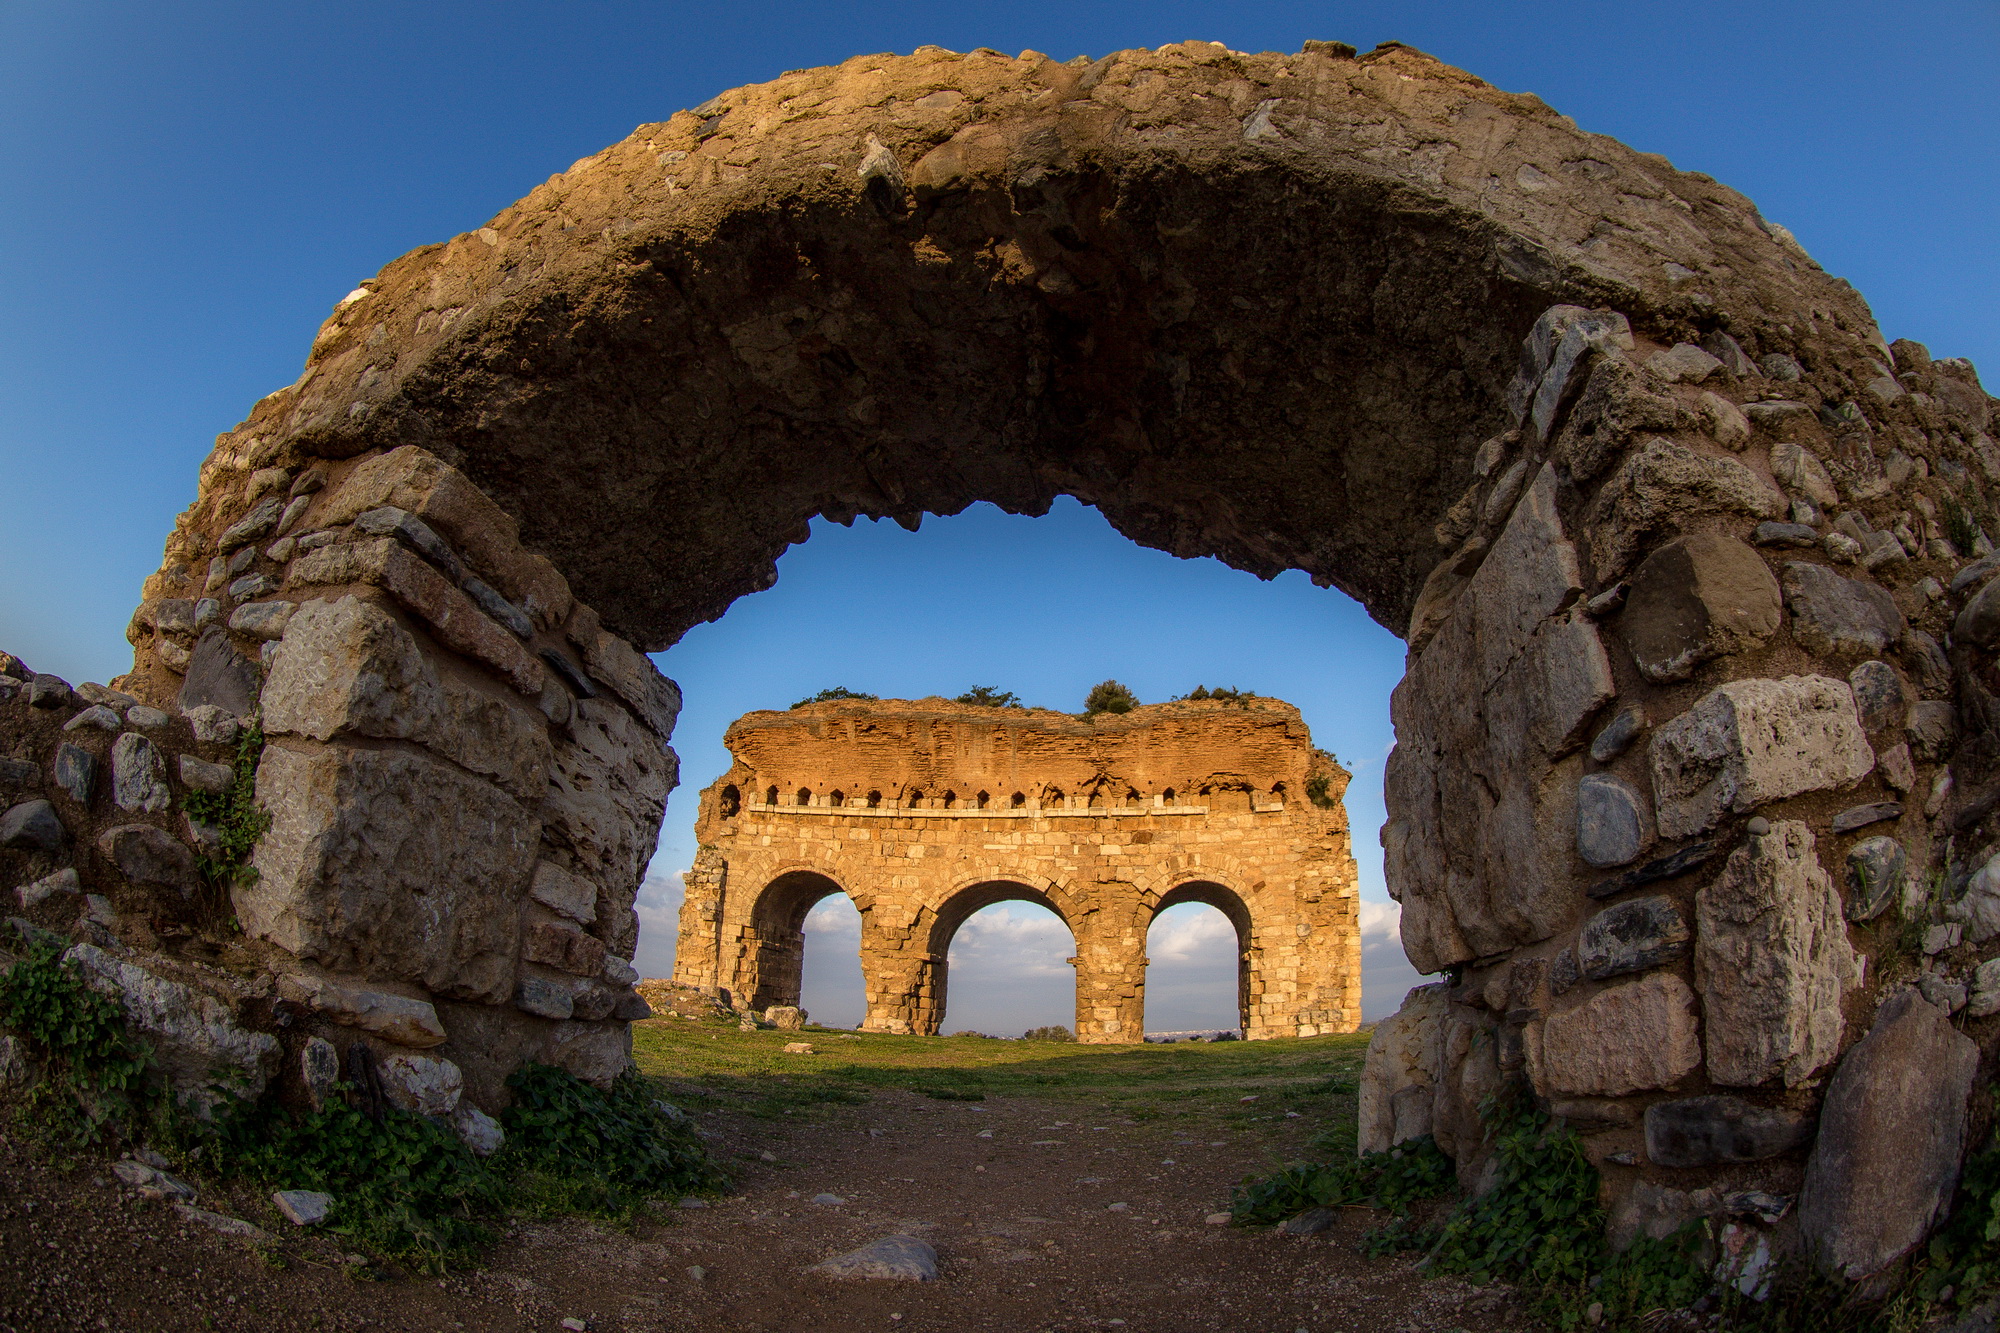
1011, 964
1236, 914
777, 944
994, 968
1197, 969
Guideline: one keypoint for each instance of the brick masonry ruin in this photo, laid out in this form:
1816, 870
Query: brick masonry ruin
1696, 785
924, 812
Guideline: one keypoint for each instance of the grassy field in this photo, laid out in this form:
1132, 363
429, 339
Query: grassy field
713, 1065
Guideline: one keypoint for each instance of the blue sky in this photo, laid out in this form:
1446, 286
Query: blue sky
185, 190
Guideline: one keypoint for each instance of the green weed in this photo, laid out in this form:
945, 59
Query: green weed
95, 1072
235, 812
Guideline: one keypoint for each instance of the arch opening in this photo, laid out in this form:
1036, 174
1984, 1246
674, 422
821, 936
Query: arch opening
1012, 950
1198, 964
777, 943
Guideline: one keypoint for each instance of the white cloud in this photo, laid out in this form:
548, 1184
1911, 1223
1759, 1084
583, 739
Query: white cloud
1380, 920
659, 907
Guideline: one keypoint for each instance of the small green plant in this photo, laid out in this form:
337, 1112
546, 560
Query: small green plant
95, 1080
403, 1187
234, 812
837, 692
985, 696
1053, 1032
1221, 693
1319, 790
1109, 697
607, 1150
1390, 1180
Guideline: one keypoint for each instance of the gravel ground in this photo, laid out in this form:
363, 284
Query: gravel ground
1042, 1216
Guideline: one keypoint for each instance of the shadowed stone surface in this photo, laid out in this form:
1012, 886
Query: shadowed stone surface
1639, 1035
1696, 599
1631, 937
1705, 1131
1873, 1186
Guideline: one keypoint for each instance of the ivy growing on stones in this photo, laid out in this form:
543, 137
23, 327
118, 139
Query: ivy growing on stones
235, 814
94, 1072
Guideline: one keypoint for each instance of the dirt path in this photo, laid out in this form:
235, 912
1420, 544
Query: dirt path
1020, 1197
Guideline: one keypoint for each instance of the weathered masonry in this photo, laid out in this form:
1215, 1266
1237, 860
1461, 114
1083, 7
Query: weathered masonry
1696, 788
924, 812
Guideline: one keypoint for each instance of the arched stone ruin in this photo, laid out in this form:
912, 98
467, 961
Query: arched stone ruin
923, 812
1699, 691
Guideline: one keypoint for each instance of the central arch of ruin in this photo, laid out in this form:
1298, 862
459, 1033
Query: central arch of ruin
924, 812
1677, 544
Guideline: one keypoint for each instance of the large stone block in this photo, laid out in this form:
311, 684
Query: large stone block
1890, 1135
1709, 1131
421, 483
195, 1036
392, 865
1624, 1039
1480, 850
453, 616
1754, 741
145, 856
1696, 599
608, 786
1664, 486
348, 667
1773, 961
1835, 616
219, 676
1399, 1075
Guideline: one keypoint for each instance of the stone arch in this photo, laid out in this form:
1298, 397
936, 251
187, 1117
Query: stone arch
1236, 910
775, 953
1368, 318
971, 894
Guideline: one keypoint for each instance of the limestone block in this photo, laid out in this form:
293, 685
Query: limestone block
786, 1017
397, 1018
419, 482
347, 666
1632, 936
1625, 1039
1468, 1073
458, 623
1614, 824
629, 672
1505, 689
559, 891
477, 1130
423, 1084
59, 885
595, 1052
1891, 1132
75, 771
138, 776
1877, 869
195, 1036
1754, 741
1401, 1070
555, 944
1695, 599
1708, 1131
1666, 486
608, 785
1978, 908
1773, 961
217, 675
1800, 472
1837, 616
145, 856
390, 864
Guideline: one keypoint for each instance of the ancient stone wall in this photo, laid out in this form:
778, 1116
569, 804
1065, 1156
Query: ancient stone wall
1696, 768
924, 812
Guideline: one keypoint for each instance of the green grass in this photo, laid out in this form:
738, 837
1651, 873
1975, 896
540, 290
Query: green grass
717, 1066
